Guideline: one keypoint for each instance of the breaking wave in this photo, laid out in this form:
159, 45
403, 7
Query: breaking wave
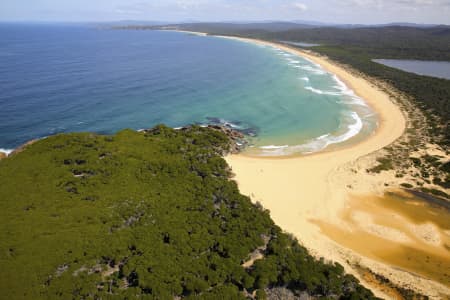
6, 151
318, 143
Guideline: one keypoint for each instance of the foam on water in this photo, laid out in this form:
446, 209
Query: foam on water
232, 125
313, 70
293, 61
6, 151
272, 147
352, 124
345, 90
224, 122
318, 143
320, 92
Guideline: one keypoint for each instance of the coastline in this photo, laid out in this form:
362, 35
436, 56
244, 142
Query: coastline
377, 100
353, 83
330, 200
302, 192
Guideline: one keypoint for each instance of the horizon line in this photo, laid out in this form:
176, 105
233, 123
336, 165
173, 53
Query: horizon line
300, 22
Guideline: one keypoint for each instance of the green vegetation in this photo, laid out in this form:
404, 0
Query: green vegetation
147, 215
384, 164
446, 167
407, 185
430, 43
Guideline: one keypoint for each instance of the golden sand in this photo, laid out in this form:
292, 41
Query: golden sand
304, 193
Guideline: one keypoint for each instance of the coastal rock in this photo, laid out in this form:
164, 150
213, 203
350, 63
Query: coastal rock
234, 125
234, 134
236, 138
250, 132
283, 293
3, 155
238, 142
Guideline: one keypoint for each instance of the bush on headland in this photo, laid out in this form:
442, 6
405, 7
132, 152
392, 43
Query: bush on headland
149, 215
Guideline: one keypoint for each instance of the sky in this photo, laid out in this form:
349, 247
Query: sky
330, 11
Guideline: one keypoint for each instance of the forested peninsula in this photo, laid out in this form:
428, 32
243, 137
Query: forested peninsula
146, 215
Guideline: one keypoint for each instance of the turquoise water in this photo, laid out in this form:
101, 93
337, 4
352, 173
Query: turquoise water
66, 78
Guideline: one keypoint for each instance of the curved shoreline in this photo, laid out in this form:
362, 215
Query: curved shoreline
329, 141
302, 192
376, 99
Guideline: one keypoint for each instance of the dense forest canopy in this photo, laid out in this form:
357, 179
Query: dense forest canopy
394, 41
146, 215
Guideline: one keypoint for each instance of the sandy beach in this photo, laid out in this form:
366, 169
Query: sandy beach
303, 192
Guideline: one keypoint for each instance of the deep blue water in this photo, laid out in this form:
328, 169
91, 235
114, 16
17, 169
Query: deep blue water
75, 78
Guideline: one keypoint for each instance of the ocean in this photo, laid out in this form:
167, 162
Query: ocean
68, 78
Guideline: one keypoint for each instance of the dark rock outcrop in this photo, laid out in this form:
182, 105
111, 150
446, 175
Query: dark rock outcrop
283, 293
237, 138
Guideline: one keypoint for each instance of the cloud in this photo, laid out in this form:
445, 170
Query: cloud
127, 11
334, 11
189, 4
402, 3
300, 6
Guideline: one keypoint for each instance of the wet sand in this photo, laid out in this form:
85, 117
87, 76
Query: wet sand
399, 230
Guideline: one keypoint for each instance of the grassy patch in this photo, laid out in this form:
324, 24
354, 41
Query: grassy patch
407, 185
384, 164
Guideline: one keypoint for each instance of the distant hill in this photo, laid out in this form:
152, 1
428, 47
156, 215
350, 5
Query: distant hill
269, 25
419, 42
